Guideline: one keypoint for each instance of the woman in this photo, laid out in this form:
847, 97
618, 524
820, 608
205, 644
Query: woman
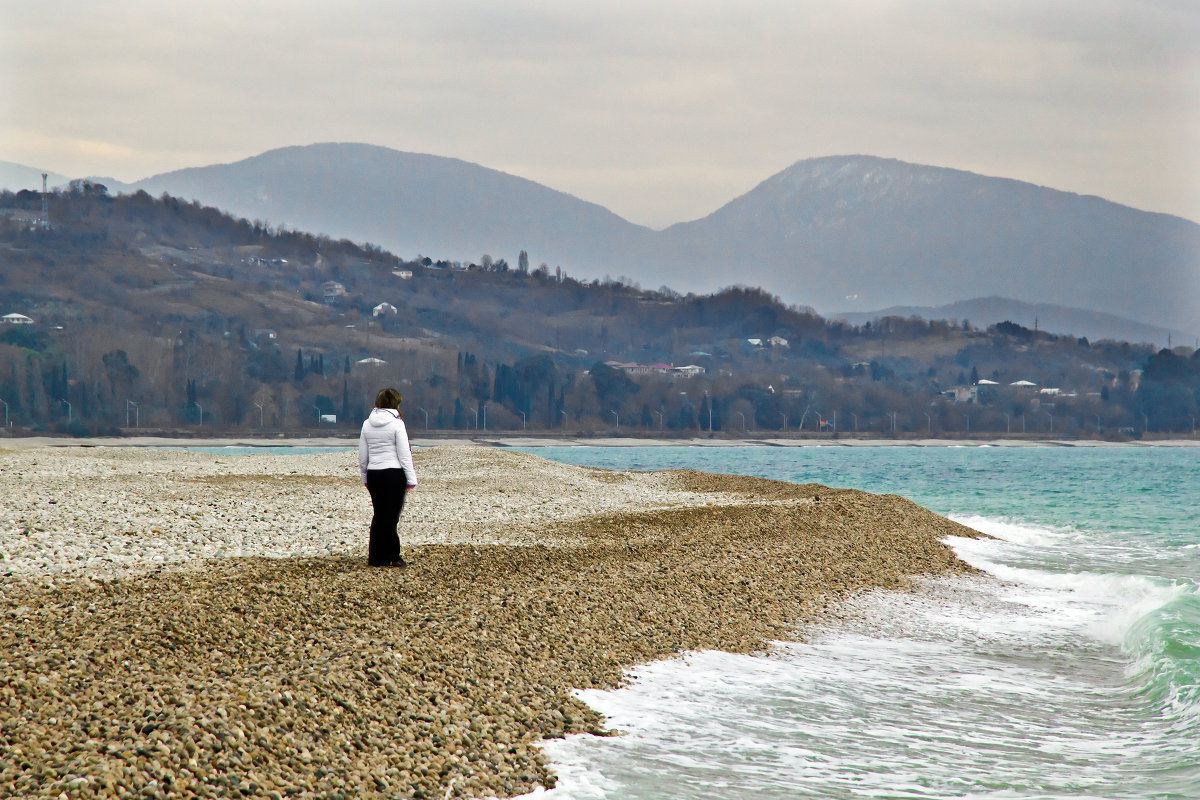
386, 466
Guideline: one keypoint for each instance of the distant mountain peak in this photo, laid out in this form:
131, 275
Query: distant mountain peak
858, 169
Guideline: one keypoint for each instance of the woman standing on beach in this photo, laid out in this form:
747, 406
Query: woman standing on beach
386, 466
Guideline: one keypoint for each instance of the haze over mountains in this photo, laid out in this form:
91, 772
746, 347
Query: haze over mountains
16, 177
840, 234
983, 311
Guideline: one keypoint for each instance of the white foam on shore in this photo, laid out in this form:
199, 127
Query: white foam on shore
973, 686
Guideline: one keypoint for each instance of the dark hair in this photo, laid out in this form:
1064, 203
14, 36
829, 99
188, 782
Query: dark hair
388, 398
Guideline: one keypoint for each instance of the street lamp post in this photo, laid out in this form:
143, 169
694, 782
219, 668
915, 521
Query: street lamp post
485, 415
855, 421
318, 410
197, 405
618, 418
784, 415
743, 416
929, 424
1051, 416
6, 415
660, 420
137, 422
68, 404
563, 411
426, 413
522, 413
476, 410
260, 415
892, 415
1007, 422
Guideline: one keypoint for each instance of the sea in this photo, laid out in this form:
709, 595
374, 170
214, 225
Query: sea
1070, 669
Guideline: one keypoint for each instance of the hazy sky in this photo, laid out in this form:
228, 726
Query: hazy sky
659, 110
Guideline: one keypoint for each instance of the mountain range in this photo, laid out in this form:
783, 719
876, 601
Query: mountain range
16, 177
1048, 317
842, 234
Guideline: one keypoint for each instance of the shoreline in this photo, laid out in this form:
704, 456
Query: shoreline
519, 441
233, 639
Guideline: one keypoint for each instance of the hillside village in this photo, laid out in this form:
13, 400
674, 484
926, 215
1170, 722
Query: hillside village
138, 313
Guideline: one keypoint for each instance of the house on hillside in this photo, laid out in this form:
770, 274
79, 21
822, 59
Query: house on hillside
384, 308
402, 274
777, 341
690, 371
16, 319
332, 290
632, 368
963, 394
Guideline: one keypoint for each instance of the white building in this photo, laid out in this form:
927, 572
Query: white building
963, 394
632, 368
17, 319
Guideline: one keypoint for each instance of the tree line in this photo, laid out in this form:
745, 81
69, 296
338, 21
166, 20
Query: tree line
157, 313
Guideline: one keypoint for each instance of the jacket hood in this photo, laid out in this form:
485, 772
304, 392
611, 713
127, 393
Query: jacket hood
383, 416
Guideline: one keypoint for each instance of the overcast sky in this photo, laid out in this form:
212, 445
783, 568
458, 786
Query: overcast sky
661, 111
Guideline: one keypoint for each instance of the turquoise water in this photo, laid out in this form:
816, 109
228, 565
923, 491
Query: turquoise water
1071, 671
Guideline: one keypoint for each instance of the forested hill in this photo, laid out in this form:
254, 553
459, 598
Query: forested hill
154, 313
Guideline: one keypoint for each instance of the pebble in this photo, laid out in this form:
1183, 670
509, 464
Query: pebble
222, 635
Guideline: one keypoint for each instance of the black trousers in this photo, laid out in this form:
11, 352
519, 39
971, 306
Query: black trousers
387, 488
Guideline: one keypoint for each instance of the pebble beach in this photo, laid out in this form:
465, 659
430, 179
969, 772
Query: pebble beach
178, 624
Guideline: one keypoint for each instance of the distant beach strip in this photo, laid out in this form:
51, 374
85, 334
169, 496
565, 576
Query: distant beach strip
196, 625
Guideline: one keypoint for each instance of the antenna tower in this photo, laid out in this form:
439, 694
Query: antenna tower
45, 209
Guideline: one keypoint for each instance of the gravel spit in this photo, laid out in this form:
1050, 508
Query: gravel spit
175, 624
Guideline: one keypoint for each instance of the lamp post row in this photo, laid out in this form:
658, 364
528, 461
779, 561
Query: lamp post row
892, 416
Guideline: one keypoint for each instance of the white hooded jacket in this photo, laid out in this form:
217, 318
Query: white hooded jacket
383, 444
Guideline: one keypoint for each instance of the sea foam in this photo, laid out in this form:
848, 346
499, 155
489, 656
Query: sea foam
1025, 682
